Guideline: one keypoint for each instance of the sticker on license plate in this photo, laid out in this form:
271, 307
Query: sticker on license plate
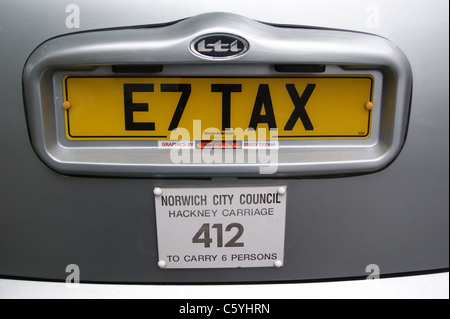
214, 107
221, 227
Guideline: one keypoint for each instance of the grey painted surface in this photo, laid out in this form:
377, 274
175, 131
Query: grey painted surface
396, 218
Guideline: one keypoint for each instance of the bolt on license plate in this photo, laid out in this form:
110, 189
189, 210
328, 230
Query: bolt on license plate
223, 227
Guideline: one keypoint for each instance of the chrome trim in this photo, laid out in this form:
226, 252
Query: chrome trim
343, 52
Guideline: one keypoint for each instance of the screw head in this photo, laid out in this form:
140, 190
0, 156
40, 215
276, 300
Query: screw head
278, 263
281, 190
66, 105
369, 106
157, 191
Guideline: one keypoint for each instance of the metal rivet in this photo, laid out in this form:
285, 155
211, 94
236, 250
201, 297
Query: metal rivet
157, 191
281, 190
278, 263
162, 264
369, 106
66, 105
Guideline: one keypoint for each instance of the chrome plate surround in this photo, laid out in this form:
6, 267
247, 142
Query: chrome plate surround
94, 52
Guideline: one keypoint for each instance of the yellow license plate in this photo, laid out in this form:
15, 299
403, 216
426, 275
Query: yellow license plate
151, 107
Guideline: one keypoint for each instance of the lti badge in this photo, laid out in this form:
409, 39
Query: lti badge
221, 227
219, 46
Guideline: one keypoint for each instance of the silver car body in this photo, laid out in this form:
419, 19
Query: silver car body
385, 209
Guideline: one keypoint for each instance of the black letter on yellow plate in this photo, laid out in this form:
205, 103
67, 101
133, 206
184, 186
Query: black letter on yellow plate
131, 107
299, 111
226, 90
185, 90
263, 99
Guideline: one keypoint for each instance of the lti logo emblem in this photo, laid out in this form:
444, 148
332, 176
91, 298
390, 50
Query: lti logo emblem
219, 46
